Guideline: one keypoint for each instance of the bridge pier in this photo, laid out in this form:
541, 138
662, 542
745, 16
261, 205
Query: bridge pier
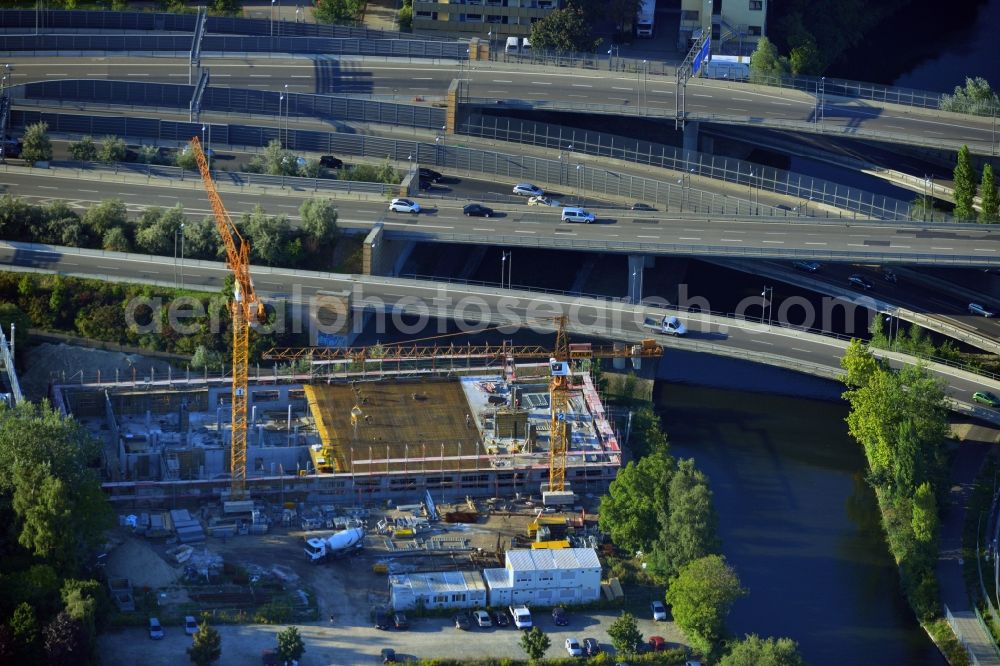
637, 263
691, 135
380, 256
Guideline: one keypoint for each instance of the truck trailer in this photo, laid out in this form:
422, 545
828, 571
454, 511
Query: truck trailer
645, 18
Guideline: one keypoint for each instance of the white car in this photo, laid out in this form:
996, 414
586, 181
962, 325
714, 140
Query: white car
543, 201
190, 625
482, 618
659, 610
404, 206
528, 190
573, 647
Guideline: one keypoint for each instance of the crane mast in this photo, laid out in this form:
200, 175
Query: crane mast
246, 309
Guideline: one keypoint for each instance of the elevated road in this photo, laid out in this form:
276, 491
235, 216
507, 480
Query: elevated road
613, 93
523, 226
473, 307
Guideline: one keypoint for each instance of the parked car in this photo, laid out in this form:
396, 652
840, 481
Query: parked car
430, 174
400, 621
591, 646
573, 647
404, 206
641, 207
986, 398
859, 282
807, 266
528, 190
388, 656
190, 625
501, 619
976, 308
155, 630
482, 618
382, 621
657, 643
659, 611
462, 621
559, 616
477, 210
12, 147
425, 184
543, 201
331, 162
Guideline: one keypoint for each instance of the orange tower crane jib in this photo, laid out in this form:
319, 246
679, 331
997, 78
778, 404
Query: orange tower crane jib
246, 310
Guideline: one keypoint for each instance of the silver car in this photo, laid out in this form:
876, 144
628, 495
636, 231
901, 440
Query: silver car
404, 206
528, 190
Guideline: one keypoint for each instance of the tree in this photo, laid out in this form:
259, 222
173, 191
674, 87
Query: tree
989, 205
25, 633
965, 185
563, 30
11, 314
112, 149
404, 19
227, 7
279, 162
691, 527
157, 229
186, 159
107, 215
701, 596
624, 634
925, 518
319, 222
42, 503
206, 645
756, 651
75, 593
36, 146
204, 357
338, 11
975, 97
290, 645
804, 58
860, 364
115, 240
269, 236
84, 150
766, 63
202, 240
65, 643
630, 512
535, 643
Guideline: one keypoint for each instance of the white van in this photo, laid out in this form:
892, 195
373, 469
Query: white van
577, 215
512, 45
525, 46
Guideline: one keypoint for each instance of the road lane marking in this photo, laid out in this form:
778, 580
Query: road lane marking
653, 237
47, 187
300, 76
581, 85
979, 249
502, 81
811, 243
616, 88
782, 103
905, 247
731, 240
685, 238
761, 342
775, 242
699, 95
63, 74
522, 231
541, 83
942, 248
742, 99
583, 96
260, 76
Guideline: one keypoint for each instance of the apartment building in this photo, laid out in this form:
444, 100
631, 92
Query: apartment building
735, 25
479, 18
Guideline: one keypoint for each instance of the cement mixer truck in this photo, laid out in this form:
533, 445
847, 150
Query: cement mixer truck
340, 543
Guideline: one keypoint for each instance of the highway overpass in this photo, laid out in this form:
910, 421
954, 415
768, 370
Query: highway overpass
518, 225
425, 303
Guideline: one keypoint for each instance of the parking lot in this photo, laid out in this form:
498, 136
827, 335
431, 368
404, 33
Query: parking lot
357, 643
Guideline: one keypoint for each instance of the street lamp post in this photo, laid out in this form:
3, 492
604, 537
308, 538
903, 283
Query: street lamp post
766, 303
281, 101
179, 231
579, 178
288, 99
506, 269
272, 18
822, 103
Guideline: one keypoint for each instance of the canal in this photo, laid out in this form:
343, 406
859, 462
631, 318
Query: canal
797, 519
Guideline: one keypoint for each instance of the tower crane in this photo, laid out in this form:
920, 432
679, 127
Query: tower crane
560, 380
246, 310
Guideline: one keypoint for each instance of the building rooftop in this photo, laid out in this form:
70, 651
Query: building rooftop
497, 578
547, 559
440, 582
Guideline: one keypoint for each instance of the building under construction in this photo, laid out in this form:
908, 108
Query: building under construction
351, 435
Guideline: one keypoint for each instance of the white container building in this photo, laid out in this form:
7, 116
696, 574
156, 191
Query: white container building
546, 577
444, 589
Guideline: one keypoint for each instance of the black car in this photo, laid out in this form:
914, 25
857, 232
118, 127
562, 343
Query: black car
591, 647
330, 162
501, 618
382, 621
425, 184
399, 621
860, 282
462, 621
641, 206
12, 147
559, 617
477, 210
430, 174
388, 656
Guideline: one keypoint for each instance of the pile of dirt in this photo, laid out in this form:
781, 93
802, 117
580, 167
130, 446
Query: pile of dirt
48, 362
136, 560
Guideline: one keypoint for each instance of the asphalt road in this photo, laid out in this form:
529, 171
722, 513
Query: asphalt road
522, 225
423, 302
505, 82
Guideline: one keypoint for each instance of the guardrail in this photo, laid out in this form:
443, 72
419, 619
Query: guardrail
238, 178
223, 44
755, 177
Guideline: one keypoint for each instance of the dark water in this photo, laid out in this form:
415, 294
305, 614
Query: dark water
798, 523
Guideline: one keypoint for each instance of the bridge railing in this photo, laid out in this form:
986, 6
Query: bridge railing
755, 177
